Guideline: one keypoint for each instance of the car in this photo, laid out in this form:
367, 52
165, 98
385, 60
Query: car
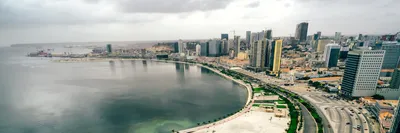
365, 129
348, 123
329, 126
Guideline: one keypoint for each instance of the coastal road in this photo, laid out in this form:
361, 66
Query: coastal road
309, 123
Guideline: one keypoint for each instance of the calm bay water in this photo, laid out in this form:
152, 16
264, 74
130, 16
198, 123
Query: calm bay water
38, 96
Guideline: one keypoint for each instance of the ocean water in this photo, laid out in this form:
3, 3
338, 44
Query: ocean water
40, 96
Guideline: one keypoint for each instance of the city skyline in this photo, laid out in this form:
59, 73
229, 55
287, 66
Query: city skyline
102, 20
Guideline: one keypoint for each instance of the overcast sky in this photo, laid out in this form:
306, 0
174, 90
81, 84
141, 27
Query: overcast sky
36, 21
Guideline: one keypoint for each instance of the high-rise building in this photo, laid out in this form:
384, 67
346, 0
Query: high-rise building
398, 63
331, 55
344, 50
275, 57
395, 81
230, 44
225, 47
362, 72
256, 54
269, 34
143, 52
338, 36
198, 50
315, 37
395, 127
109, 48
321, 45
319, 34
301, 31
176, 47
204, 49
236, 45
261, 35
181, 46
214, 48
225, 36
360, 37
392, 55
248, 36
252, 48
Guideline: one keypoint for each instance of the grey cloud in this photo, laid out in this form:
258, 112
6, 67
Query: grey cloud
253, 4
39, 14
170, 6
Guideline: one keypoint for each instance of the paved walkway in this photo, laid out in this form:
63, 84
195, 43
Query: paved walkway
256, 121
246, 110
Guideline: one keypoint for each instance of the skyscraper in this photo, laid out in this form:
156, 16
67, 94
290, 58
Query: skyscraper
360, 37
204, 49
109, 48
236, 45
269, 34
392, 55
301, 31
338, 36
344, 50
362, 72
395, 127
225, 47
275, 57
331, 55
248, 36
198, 49
181, 47
395, 81
261, 35
214, 48
256, 54
252, 48
176, 47
319, 34
224, 36
321, 45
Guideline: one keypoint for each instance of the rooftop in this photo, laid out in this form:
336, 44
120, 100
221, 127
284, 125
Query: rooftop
387, 70
385, 119
387, 103
326, 79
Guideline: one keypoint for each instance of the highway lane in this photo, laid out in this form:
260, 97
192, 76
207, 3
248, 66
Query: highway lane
344, 118
364, 124
309, 123
353, 122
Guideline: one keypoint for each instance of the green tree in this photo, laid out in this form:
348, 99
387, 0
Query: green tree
316, 84
310, 82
